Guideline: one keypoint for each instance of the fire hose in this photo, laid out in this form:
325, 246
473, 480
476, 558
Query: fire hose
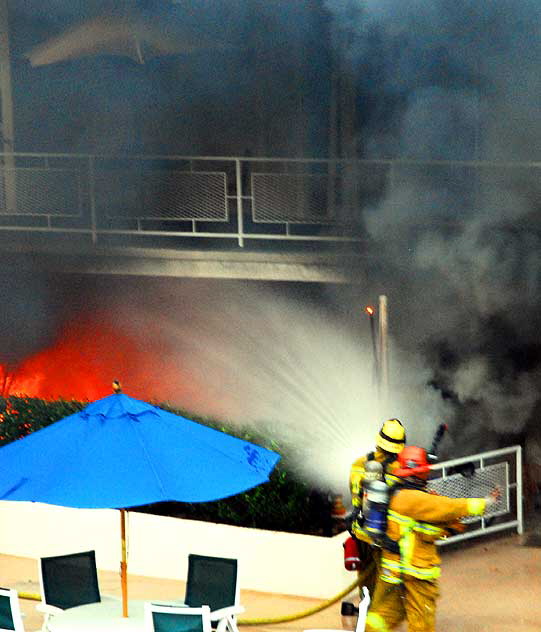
282, 619
31, 596
310, 611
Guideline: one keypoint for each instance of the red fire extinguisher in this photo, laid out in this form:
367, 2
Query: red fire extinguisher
352, 561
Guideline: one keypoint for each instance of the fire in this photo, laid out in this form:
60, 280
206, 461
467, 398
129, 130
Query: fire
89, 353
369, 310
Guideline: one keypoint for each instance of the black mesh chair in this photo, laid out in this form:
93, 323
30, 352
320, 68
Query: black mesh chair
67, 581
212, 581
159, 618
11, 619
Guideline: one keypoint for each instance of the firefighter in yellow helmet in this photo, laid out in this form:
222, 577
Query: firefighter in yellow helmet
390, 441
407, 587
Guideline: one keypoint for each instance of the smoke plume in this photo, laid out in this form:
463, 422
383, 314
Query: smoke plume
459, 241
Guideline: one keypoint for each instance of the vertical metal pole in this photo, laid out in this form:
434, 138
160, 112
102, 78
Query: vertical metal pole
520, 517
240, 219
383, 348
92, 194
333, 129
370, 311
123, 564
6, 98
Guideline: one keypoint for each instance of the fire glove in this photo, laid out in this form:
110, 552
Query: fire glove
493, 497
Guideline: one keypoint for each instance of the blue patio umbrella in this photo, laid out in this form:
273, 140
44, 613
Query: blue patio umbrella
119, 452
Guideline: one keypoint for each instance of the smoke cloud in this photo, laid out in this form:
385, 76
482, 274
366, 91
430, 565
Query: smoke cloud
454, 245
459, 241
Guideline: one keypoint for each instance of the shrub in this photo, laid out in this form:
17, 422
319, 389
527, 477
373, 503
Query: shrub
19, 416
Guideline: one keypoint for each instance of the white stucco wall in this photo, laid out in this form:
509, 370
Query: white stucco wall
269, 561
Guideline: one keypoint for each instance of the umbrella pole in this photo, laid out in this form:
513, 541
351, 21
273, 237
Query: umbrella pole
123, 564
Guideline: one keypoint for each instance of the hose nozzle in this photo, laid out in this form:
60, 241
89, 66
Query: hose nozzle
433, 452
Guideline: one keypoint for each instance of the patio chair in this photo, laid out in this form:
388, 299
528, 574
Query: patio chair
159, 618
67, 581
11, 619
212, 581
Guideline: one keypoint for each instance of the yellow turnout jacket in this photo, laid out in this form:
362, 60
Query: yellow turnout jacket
416, 519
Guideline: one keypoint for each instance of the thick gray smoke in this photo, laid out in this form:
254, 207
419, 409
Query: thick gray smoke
460, 240
169, 77
31, 311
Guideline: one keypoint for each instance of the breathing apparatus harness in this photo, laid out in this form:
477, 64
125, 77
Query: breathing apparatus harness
379, 493
376, 518
391, 456
358, 514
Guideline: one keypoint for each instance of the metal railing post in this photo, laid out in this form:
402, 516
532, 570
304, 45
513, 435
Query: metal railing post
7, 127
240, 218
92, 196
520, 526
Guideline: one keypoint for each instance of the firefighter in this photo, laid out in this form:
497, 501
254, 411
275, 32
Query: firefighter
407, 587
389, 442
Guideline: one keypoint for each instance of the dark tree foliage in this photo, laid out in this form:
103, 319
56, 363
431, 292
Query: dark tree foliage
285, 503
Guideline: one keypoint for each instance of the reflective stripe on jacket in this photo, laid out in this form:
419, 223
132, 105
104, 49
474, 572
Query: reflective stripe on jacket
416, 520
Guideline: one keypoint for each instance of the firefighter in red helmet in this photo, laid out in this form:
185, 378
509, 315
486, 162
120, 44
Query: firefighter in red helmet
410, 565
390, 441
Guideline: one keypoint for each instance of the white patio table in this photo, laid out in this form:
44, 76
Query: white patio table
104, 616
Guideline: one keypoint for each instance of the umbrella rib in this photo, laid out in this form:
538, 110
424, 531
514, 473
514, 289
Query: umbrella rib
150, 463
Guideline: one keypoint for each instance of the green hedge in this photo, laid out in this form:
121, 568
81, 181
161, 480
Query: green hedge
285, 503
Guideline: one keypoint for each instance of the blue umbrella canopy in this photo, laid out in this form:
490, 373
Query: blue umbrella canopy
119, 452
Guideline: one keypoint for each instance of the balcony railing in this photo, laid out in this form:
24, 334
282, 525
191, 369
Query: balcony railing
237, 199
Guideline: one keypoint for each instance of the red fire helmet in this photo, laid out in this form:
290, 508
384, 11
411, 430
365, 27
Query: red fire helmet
413, 462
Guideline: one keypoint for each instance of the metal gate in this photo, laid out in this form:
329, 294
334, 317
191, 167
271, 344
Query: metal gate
474, 477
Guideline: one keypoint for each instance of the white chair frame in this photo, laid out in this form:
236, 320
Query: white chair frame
150, 608
16, 613
364, 604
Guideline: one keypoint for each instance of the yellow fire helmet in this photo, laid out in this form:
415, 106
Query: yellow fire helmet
392, 436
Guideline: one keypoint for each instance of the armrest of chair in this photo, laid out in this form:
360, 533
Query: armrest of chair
47, 609
48, 612
111, 598
228, 611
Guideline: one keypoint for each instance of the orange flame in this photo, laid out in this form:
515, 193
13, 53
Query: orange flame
369, 310
89, 353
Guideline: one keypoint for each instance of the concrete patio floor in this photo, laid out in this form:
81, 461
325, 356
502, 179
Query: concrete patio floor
492, 585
